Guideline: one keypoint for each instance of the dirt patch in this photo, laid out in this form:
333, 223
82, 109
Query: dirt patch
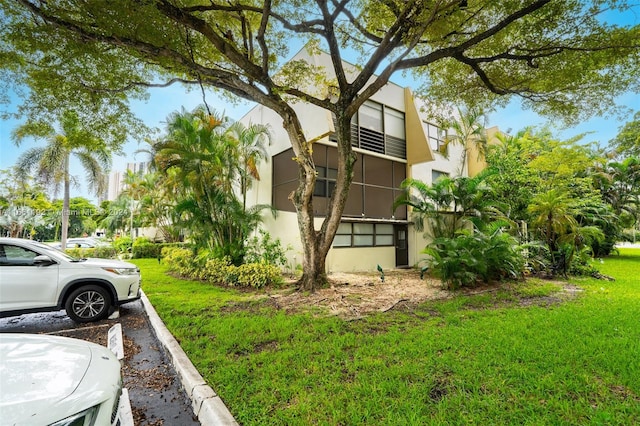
352, 296
356, 295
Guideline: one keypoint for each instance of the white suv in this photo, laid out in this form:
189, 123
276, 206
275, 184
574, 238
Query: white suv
58, 381
35, 277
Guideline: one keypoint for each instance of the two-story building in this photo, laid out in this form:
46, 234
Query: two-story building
393, 139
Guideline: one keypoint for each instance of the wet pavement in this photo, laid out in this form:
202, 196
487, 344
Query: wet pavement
156, 394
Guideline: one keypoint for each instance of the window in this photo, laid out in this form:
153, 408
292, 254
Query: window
395, 133
343, 236
370, 114
375, 187
435, 175
378, 128
17, 256
325, 181
364, 235
384, 234
436, 135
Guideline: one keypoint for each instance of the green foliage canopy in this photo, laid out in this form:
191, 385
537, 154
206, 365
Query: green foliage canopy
627, 142
560, 57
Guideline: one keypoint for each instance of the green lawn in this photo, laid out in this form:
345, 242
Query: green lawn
485, 359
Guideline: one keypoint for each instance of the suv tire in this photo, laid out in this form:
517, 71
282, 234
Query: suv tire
88, 303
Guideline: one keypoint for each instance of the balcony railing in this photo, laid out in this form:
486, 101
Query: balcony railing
374, 141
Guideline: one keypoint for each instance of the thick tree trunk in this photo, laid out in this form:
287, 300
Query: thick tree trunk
317, 243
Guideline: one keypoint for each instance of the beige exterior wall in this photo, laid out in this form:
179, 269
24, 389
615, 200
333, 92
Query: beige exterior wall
477, 164
362, 259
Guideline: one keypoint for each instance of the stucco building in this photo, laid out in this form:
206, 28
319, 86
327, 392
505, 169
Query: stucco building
393, 139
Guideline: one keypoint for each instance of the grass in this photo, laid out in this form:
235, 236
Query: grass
484, 359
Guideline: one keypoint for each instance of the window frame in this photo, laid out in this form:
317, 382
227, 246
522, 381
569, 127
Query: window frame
440, 138
375, 234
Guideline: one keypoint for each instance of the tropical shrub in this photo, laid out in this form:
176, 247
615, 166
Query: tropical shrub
204, 266
80, 253
265, 250
122, 244
582, 263
472, 257
105, 252
179, 260
217, 270
144, 248
537, 258
257, 275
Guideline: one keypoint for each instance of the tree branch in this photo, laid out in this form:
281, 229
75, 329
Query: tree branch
473, 41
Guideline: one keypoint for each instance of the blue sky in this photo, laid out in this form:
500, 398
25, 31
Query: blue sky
164, 101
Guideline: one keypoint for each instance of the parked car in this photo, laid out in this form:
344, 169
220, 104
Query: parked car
57, 381
35, 277
86, 242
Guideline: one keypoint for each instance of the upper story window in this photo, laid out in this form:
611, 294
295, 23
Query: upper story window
325, 181
376, 183
378, 128
436, 135
436, 174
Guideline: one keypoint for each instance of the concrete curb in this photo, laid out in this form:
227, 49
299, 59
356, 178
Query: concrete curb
206, 404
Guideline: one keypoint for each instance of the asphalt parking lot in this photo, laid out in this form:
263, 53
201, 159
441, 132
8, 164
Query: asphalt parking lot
156, 394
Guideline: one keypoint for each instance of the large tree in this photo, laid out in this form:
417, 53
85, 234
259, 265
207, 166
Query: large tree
559, 56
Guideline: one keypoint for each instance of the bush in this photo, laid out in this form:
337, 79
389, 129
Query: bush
179, 260
80, 253
101, 252
105, 252
257, 275
471, 257
582, 264
144, 248
122, 244
204, 266
265, 250
217, 270
537, 257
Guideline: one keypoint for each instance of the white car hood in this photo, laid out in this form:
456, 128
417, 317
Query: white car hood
39, 374
107, 263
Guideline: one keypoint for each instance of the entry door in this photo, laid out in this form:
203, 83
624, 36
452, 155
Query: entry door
402, 245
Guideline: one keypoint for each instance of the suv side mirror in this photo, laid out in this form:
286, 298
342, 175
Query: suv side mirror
43, 260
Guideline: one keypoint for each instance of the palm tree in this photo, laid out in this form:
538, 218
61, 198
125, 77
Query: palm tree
51, 162
468, 132
134, 190
619, 184
209, 160
553, 216
116, 217
451, 204
250, 150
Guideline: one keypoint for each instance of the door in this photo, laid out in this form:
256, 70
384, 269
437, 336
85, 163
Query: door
402, 246
23, 284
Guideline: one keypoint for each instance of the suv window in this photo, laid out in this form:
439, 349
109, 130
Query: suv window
16, 256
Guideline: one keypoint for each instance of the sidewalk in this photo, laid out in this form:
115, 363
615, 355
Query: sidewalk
206, 404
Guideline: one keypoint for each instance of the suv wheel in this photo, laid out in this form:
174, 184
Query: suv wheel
88, 303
